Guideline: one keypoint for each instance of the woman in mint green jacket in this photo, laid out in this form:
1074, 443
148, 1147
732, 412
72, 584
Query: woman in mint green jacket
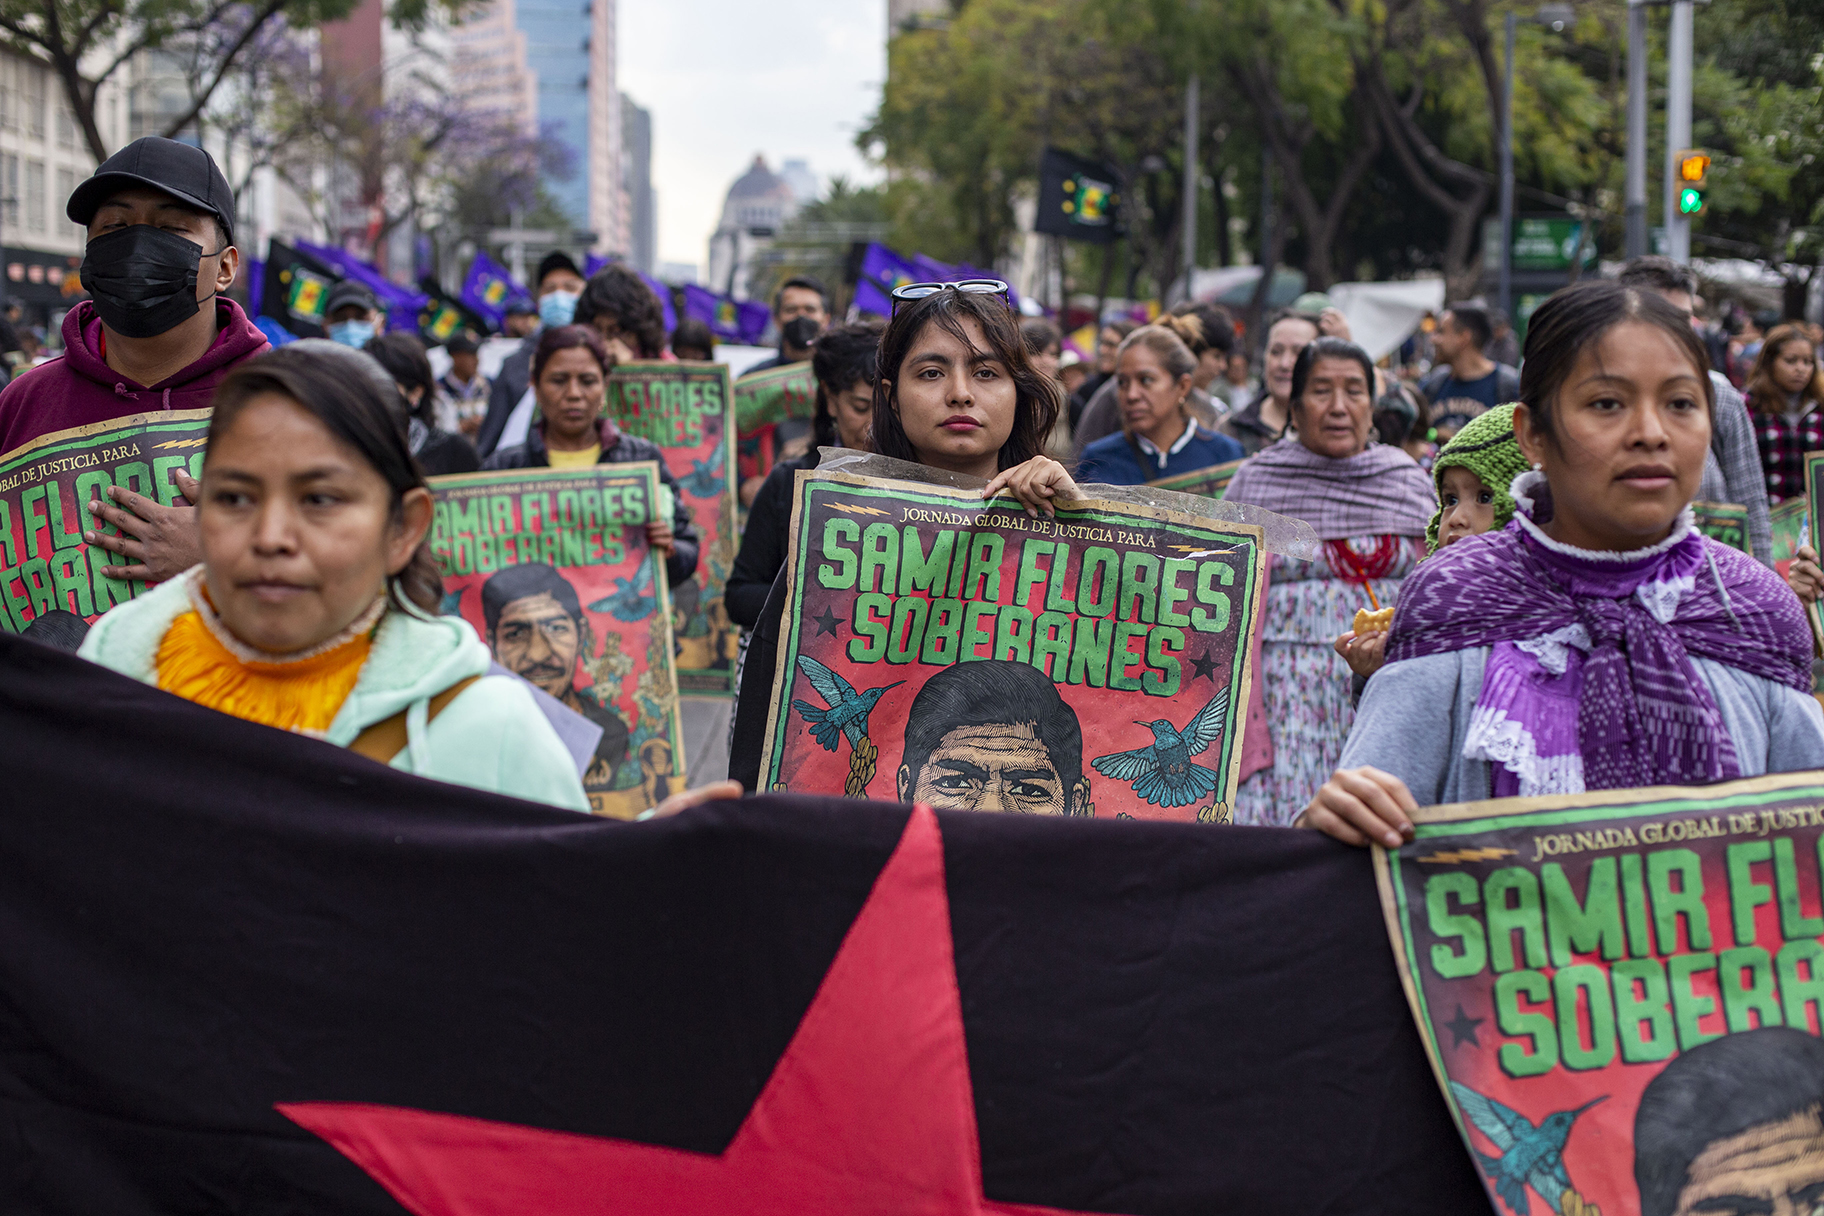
314, 608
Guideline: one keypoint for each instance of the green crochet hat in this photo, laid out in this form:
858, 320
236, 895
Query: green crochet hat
1487, 448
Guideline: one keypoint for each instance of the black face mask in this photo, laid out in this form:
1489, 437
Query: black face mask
142, 279
799, 332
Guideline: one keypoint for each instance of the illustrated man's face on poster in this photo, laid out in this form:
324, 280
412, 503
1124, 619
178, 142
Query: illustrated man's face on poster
1774, 1168
538, 639
995, 767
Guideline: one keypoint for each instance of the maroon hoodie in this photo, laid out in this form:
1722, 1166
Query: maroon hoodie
78, 388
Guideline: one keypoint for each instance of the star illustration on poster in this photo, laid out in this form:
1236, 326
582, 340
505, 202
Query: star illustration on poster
870, 1109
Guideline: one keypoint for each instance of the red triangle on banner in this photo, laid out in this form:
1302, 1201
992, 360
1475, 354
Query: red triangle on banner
870, 1109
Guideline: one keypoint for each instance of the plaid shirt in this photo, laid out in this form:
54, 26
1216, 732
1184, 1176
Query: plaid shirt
1735, 445
1783, 446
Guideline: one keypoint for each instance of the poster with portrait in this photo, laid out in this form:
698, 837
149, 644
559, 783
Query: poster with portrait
1211, 482
687, 409
943, 649
1620, 993
552, 568
767, 405
45, 490
1723, 521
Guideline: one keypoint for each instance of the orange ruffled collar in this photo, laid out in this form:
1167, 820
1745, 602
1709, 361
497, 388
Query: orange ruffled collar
201, 661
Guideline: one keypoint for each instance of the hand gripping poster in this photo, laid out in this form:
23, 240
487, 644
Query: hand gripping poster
687, 409
942, 649
552, 568
1620, 993
46, 487
765, 399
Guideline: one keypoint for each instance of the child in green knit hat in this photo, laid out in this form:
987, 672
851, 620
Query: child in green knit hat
1473, 472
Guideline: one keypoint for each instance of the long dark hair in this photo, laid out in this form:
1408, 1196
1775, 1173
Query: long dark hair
1576, 318
1036, 398
840, 357
333, 386
1766, 397
404, 359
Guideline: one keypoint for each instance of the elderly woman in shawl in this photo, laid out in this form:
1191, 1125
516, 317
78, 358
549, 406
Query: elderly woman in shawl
1599, 641
1370, 504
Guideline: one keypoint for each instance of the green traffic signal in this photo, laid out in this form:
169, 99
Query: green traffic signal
1690, 201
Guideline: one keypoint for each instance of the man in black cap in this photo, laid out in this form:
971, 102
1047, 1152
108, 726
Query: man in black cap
351, 314
160, 219
558, 287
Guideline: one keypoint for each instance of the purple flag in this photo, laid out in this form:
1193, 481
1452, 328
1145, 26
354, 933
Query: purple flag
400, 304
742, 321
664, 293
881, 271
489, 288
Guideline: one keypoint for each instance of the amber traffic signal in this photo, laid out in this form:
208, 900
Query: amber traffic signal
1693, 168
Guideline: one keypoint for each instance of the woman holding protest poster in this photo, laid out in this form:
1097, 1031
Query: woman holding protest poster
1599, 641
843, 362
1370, 504
570, 383
1154, 370
315, 608
958, 393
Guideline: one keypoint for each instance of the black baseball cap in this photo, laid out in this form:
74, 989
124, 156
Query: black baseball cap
557, 259
350, 291
186, 173
522, 307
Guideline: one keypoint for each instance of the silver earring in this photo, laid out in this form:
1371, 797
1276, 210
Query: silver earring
1537, 467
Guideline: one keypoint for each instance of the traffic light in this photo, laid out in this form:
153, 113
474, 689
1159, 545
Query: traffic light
1693, 168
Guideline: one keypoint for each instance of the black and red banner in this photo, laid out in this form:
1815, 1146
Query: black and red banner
244, 971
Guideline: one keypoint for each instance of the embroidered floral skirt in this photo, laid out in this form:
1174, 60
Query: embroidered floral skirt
1305, 684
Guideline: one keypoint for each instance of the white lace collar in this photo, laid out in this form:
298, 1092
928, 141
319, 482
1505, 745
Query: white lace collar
1525, 489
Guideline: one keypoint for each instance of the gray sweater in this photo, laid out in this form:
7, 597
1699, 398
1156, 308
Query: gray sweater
1415, 714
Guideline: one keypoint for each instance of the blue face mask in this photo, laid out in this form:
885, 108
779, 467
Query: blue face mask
352, 333
557, 309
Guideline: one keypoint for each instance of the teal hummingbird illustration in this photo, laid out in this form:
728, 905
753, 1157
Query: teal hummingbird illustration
632, 599
848, 710
1163, 773
705, 477
1530, 1155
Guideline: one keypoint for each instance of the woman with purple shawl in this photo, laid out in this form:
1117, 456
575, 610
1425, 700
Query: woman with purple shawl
1370, 504
1598, 641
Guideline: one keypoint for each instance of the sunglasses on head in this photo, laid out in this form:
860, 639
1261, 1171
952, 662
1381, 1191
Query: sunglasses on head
974, 287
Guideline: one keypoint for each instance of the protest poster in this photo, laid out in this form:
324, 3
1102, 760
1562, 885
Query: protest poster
1620, 991
552, 568
687, 409
1210, 482
943, 649
1789, 520
1723, 521
45, 490
762, 401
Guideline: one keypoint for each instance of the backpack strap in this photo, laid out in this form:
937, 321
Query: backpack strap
387, 737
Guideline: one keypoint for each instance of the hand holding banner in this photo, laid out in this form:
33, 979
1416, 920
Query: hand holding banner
45, 490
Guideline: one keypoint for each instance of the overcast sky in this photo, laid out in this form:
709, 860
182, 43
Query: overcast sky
726, 79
